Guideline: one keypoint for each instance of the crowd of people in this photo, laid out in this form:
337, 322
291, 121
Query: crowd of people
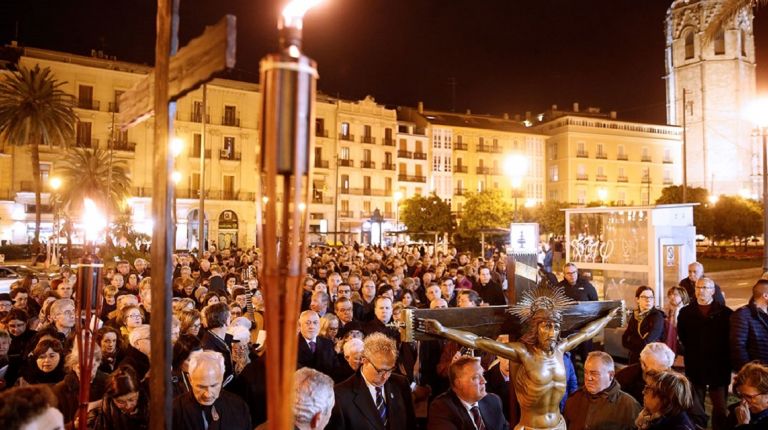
355, 371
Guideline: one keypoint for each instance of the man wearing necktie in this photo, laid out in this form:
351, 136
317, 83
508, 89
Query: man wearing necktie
315, 352
374, 398
466, 406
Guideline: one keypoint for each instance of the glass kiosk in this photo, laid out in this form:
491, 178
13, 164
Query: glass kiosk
621, 248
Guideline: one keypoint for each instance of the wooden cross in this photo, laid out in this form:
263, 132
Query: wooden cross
492, 321
175, 75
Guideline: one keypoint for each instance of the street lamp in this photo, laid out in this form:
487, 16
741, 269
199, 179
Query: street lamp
176, 178
397, 196
55, 183
758, 113
516, 167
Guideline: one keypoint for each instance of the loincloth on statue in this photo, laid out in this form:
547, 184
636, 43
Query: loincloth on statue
560, 426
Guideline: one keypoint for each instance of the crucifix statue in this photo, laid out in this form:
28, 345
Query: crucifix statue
537, 372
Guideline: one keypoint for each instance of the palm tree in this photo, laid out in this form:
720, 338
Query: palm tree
728, 11
91, 173
34, 110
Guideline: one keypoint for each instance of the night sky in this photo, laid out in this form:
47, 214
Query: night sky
503, 55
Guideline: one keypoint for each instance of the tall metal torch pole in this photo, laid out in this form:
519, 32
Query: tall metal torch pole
764, 133
288, 115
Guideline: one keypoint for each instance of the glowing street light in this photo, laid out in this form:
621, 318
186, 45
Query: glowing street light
177, 145
713, 199
516, 167
602, 194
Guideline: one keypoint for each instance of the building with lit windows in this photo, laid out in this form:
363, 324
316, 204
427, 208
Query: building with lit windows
594, 157
365, 157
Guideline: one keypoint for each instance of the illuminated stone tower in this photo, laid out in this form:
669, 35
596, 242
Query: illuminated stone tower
718, 78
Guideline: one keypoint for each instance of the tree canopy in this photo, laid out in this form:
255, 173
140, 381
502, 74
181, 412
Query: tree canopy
34, 110
426, 214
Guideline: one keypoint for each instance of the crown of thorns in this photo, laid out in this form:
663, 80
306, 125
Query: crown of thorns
548, 299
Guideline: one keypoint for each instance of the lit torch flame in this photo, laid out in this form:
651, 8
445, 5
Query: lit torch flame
93, 220
293, 13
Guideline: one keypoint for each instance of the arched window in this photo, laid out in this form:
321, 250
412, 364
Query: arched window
689, 48
743, 43
720, 42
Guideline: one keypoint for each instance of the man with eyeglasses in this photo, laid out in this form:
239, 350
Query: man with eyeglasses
695, 272
703, 329
374, 398
576, 287
63, 316
345, 310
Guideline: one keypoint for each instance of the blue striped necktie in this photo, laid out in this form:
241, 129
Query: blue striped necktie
381, 405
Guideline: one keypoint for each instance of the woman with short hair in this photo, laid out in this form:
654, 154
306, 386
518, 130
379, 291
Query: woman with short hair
666, 398
646, 324
751, 385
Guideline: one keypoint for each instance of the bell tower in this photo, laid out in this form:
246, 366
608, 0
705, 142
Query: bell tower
709, 85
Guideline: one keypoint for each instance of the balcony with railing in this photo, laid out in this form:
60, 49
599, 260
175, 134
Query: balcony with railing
646, 180
601, 156
321, 164
86, 143
345, 162
461, 146
668, 161
196, 154
230, 121
367, 164
322, 200
124, 146
346, 214
321, 132
419, 155
582, 177
646, 159
198, 117
460, 168
113, 107
622, 179
411, 178
459, 191
229, 155
582, 154
404, 154
483, 170
489, 149
347, 137
386, 166
244, 196
622, 157
89, 104
667, 181
367, 139
388, 141
601, 178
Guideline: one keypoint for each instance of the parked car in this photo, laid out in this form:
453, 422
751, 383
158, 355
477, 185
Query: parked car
7, 277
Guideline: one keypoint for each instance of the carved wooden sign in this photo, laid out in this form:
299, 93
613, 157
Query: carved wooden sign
194, 64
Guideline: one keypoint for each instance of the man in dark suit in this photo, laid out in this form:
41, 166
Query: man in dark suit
215, 281
466, 406
696, 272
374, 398
382, 316
490, 291
315, 352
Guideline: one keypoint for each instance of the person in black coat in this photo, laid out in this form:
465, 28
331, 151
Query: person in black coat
315, 351
251, 386
209, 408
576, 287
382, 317
646, 324
374, 398
703, 328
466, 406
490, 291
696, 272
216, 337
749, 329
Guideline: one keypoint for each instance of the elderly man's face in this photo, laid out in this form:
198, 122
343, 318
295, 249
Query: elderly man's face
470, 385
65, 317
378, 367
694, 272
206, 383
345, 311
354, 359
309, 325
383, 310
344, 291
597, 375
704, 292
